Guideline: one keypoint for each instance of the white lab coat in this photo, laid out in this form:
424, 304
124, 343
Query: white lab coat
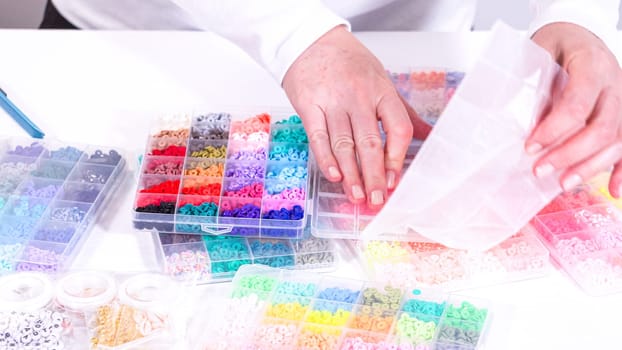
276, 32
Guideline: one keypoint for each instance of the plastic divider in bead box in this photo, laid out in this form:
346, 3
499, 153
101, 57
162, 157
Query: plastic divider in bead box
520, 257
239, 173
582, 229
50, 195
279, 309
89, 309
426, 90
211, 259
334, 216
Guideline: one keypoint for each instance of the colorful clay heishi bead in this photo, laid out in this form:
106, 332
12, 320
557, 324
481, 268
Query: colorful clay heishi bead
288, 307
78, 192
273, 334
313, 336
204, 167
53, 169
102, 157
207, 149
228, 255
160, 185
288, 152
381, 297
9, 250
42, 188
242, 188
245, 170
212, 126
238, 207
410, 329
27, 206
70, 212
32, 150
202, 186
16, 229
66, 153
55, 232
163, 165
187, 261
270, 247
92, 173
41, 256
377, 319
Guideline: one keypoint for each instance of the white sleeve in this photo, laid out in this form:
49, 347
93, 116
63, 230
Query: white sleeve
598, 16
273, 32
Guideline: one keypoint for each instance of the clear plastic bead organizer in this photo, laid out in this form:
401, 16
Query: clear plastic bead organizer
582, 229
212, 259
334, 216
520, 257
281, 309
428, 91
50, 195
237, 173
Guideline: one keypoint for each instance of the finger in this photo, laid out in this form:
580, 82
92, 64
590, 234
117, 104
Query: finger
602, 130
314, 121
370, 151
399, 130
568, 114
615, 182
421, 129
599, 162
342, 145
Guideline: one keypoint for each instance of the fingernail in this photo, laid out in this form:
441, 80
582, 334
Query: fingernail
544, 170
534, 148
377, 198
357, 192
334, 172
571, 182
390, 179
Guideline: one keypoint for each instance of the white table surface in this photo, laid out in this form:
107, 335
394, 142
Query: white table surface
106, 87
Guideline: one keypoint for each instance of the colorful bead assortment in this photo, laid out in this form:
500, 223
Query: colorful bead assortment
427, 91
107, 311
582, 229
242, 173
293, 310
431, 264
49, 193
210, 259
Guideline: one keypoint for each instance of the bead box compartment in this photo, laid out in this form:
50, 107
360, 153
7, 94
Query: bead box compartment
582, 229
334, 216
51, 194
520, 257
427, 90
212, 259
237, 173
280, 309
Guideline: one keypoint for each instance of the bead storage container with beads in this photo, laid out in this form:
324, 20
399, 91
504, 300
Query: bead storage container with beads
238, 173
427, 90
50, 195
334, 216
582, 229
520, 257
211, 259
280, 309
87, 309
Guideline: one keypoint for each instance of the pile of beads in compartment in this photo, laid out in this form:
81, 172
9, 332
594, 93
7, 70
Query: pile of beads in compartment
427, 91
241, 174
208, 259
49, 194
582, 229
431, 264
277, 309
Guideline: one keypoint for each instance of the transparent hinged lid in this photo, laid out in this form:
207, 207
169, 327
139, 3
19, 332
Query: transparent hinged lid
471, 185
